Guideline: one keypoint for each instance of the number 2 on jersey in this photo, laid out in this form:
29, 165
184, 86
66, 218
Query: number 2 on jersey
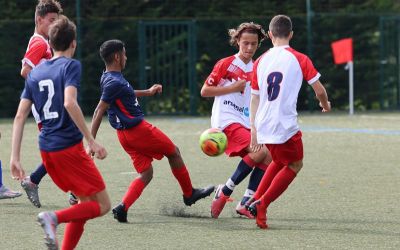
274, 80
46, 108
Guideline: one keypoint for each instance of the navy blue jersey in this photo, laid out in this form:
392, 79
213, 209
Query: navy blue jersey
124, 111
45, 86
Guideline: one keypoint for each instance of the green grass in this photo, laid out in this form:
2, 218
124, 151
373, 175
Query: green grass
346, 196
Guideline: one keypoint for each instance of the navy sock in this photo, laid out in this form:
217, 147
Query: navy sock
1, 175
241, 172
255, 178
38, 174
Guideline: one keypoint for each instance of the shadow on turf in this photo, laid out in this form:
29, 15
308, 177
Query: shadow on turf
180, 212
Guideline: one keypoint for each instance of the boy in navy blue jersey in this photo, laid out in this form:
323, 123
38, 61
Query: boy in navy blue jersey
140, 139
52, 87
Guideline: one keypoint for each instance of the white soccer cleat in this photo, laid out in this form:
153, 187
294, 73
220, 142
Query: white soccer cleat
6, 193
48, 221
31, 190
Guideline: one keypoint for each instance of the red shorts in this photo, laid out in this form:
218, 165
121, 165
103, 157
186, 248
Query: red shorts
73, 170
144, 143
288, 152
238, 140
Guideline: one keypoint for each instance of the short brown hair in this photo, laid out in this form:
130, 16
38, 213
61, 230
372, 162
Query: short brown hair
280, 26
61, 34
251, 27
47, 6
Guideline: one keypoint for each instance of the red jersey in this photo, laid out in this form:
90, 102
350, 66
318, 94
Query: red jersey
38, 51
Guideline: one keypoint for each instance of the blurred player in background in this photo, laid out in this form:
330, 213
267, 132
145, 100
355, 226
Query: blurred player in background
38, 51
277, 78
140, 139
5, 192
229, 83
52, 87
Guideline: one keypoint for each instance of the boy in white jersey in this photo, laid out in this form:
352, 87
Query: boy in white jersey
229, 84
277, 78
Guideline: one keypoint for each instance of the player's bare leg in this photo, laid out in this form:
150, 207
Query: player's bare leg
179, 170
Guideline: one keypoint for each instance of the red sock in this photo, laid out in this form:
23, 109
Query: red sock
133, 193
278, 185
270, 173
72, 234
249, 161
182, 175
82, 211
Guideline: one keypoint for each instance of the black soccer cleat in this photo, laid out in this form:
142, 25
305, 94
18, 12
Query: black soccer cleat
252, 208
198, 194
120, 214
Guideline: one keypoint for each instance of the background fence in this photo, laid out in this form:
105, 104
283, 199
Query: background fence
181, 53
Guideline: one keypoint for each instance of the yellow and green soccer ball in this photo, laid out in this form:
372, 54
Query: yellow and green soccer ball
213, 142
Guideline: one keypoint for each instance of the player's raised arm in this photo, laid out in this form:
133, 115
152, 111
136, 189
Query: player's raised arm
24, 108
322, 96
155, 89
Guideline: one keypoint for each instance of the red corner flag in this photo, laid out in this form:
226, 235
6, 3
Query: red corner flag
342, 50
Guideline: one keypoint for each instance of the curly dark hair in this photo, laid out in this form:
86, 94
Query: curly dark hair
47, 6
250, 27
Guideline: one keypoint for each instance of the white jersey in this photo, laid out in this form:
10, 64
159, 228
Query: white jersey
232, 107
278, 75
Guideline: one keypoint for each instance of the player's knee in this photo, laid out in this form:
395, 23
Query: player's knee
259, 156
105, 206
147, 175
296, 166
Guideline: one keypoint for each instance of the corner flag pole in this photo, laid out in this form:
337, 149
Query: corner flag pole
350, 67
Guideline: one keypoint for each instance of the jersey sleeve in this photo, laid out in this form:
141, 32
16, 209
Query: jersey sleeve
218, 72
110, 92
310, 74
36, 51
26, 93
254, 80
73, 73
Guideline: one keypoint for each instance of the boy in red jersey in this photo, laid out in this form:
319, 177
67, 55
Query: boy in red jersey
52, 87
38, 51
277, 78
140, 139
229, 84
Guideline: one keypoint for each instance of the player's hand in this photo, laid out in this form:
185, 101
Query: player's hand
326, 107
155, 89
254, 146
97, 150
17, 172
239, 86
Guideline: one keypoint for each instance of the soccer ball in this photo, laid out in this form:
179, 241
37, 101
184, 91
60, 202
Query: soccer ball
213, 142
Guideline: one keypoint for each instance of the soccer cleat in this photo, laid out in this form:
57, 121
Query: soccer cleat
120, 214
73, 200
259, 210
6, 193
248, 202
48, 221
241, 210
197, 194
31, 190
218, 202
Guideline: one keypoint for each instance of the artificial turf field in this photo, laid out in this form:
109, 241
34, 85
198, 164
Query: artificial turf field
345, 197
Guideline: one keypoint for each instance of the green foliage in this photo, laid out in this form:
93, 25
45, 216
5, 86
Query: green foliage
108, 19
